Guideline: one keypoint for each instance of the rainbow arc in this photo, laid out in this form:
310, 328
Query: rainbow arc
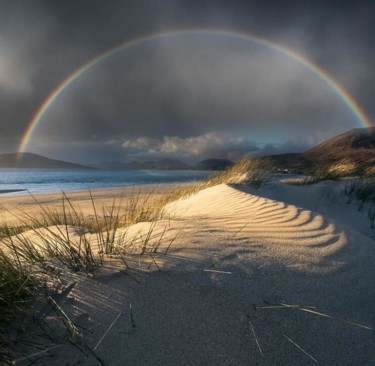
352, 105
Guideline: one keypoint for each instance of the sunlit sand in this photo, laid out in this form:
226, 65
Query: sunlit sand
239, 276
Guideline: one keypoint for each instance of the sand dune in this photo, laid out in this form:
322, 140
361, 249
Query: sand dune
246, 280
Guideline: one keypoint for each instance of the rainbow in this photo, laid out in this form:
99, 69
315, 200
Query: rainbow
338, 89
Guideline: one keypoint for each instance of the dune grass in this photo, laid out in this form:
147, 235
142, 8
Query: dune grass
336, 171
362, 192
17, 286
369, 172
41, 245
250, 171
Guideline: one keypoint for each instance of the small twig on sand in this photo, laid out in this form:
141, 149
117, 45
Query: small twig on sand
173, 239
338, 319
308, 309
256, 339
263, 265
300, 348
18, 360
297, 265
215, 271
278, 306
106, 332
239, 230
153, 261
131, 315
65, 319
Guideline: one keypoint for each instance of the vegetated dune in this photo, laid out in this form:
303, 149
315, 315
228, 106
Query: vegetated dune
356, 146
231, 278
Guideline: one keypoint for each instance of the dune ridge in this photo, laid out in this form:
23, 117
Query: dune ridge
246, 280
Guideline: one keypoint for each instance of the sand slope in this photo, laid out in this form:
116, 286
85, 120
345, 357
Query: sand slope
247, 281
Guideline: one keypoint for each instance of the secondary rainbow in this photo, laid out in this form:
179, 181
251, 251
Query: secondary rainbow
338, 89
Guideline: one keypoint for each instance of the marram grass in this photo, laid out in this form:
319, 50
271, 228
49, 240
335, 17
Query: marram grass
362, 191
336, 171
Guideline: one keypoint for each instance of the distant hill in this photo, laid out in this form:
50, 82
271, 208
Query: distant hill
163, 164
166, 164
213, 164
357, 145
291, 161
29, 160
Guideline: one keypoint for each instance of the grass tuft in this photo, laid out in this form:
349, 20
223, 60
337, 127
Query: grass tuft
16, 287
252, 171
336, 171
362, 191
255, 172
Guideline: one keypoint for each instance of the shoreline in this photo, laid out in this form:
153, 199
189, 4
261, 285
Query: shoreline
5, 191
77, 191
11, 205
40, 182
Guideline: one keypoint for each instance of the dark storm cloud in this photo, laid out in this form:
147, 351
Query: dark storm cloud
163, 90
191, 85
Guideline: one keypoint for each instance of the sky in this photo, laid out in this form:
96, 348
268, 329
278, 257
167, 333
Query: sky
187, 96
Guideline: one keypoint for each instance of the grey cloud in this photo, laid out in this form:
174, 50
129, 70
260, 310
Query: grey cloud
14, 76
143, 144
212, 144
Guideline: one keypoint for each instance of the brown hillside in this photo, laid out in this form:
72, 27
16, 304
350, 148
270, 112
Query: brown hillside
293, 161
357, 145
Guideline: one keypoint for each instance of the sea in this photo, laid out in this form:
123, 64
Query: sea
37, 181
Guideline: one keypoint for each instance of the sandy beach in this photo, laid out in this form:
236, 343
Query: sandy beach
281, 275
11, 206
